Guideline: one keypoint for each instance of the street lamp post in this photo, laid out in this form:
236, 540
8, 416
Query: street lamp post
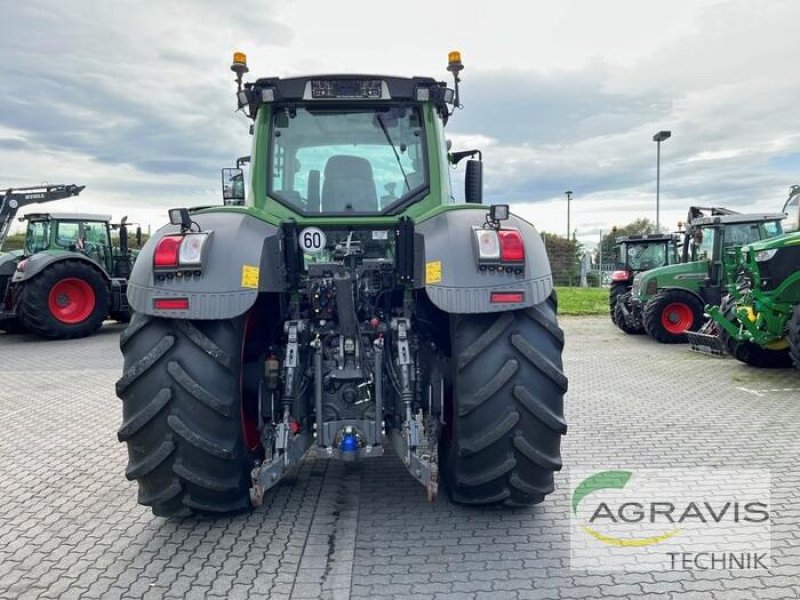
658, 138
569, 197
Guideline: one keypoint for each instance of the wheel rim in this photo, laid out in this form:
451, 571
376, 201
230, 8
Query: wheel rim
71, 300
249, 403
677, 317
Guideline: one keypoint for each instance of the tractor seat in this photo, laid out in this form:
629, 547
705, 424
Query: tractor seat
348, 185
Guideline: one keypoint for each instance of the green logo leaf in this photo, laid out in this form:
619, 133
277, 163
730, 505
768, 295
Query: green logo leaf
599, 481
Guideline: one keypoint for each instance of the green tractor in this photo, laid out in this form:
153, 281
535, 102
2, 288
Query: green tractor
68, 278
669, 301
349, 305
758, 322
634, 254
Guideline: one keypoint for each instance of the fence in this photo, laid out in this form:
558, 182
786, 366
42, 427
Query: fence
566, 258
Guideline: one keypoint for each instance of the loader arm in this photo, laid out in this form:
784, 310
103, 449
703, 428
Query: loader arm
15, 198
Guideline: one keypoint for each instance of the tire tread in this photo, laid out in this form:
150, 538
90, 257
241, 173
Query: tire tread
507, 407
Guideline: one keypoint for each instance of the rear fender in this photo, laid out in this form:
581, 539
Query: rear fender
452, 278
35, 264
243, 258
8, 263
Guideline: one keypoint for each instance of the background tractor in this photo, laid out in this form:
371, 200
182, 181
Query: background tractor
69, 277
350, 304
634, 254
669, 301
759, 322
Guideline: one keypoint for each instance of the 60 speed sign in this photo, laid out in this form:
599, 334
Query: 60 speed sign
312, 240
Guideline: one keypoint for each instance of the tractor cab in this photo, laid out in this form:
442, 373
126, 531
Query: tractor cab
74, 232
710, 237
89, 234
636, 253
329, 146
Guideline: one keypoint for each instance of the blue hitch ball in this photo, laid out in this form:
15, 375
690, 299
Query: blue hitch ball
349, 443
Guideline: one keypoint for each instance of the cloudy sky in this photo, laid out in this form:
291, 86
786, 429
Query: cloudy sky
135, 98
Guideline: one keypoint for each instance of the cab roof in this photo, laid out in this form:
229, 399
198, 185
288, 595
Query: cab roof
66, 217
646, 238
347, 89
300, 88
738, 218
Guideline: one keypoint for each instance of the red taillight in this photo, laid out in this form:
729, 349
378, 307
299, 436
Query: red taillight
512, 248
171, 303
166, 254
620, 276
506, 297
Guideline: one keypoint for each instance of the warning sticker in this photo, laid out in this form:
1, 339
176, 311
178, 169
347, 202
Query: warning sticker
249, 276
433, 272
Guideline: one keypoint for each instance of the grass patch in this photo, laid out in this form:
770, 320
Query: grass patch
582, 301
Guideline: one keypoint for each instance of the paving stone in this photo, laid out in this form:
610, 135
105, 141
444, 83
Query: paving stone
72, 527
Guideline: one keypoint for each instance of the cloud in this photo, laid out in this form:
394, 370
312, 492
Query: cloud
543, 108
136, 99
128, 84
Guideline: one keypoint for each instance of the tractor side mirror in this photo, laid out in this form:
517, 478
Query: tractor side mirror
233, 186
473, 182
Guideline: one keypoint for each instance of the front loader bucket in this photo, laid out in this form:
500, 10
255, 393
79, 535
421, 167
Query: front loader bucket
706, 343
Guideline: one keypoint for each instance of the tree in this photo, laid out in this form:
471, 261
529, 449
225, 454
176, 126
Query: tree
15, 241
565, 256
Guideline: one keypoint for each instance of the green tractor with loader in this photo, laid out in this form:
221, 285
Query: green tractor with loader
634, 254
69, 277
759, 321
669, 301
349, 305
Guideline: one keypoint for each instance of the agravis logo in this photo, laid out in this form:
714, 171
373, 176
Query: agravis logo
653, 519
610, 480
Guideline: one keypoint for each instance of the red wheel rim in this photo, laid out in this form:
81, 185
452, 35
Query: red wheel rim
249, 403
71, 300
677, 317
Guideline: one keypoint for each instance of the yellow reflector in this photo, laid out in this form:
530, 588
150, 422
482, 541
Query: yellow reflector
240, 57
454, 57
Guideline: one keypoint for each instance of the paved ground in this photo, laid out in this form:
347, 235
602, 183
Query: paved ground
70, 526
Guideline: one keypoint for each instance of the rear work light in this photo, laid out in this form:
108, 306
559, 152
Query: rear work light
488, 244
177, 251
499, 247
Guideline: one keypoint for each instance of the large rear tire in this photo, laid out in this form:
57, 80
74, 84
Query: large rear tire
616, 290
669, 314
69, 299
182, 415
793, 336
505, 412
